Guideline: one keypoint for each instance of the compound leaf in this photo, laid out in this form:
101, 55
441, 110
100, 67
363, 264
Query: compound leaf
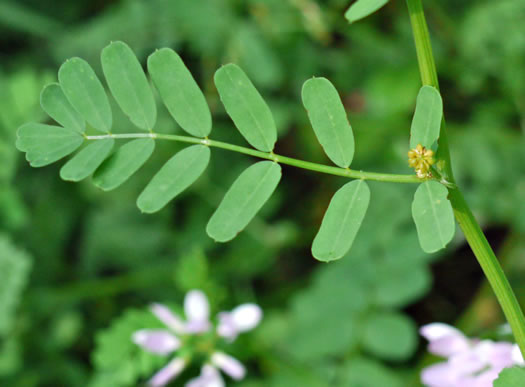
246, 107
179, 91
85, 92
55, 103
45, 144
85, 162
433, 215
341, 221
129, 84
244, 199
328, 118
120, 166
175, 176
362, 8
427, 118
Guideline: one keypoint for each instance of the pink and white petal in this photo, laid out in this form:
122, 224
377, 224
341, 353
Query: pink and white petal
439, 375
196, 306
168, 373
229, 365
226, 327
444, 340
246, 316
497, 354
158, 341
170, 319
517, 357
209, 377
467, 362
485, 379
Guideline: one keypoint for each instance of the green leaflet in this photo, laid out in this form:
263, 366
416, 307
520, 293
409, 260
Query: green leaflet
427, 118
389, 335
175, 176
244, 199
180, 93
45, 144
85, 162
55, 103
328, 118
362, 8
432, 213
367, 372
129, 84
341, 221
123, 163
510, 377
246, 107
85, 92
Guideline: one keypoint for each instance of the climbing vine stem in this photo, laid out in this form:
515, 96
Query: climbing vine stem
473, 233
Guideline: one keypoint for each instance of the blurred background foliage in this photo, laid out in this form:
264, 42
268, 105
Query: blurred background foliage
73, 260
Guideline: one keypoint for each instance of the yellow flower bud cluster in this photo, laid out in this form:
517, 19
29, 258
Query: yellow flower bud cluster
421, 159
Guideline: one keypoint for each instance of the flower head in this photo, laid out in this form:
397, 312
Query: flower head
198, 325
470, 362
421, 159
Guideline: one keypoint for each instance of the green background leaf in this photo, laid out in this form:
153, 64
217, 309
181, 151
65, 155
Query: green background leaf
55, 103
175, 176
341, 221
511, 377
179, 92
246, 107
85, 92
433, 215
362, 8
85, 162
123, 163
329, 121
129, 84
427, 118
244, 199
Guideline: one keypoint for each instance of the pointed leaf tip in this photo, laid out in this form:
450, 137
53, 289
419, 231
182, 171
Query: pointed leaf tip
363, 8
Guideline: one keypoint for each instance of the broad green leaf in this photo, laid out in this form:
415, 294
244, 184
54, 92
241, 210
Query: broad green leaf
341, 221
365, 372
55, 103
246, 107
244, 199
511, 377
85, 92
120, 166
328, 118
179, 91
427, 118
14, 266
129, 84
85, 162
433, 215
175, 176
362, 8
398, 285
389, 336
45, 144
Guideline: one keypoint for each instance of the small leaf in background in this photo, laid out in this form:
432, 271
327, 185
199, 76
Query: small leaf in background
433, 215
85, 92
129, 84
85, 162
328, 118
511, 377
427, 118
389, 336
366, 372
362, 8
55, 103
120, 166
244, 199
246, 107
175, 176
45, 144
179, 91
341, 222
14, 266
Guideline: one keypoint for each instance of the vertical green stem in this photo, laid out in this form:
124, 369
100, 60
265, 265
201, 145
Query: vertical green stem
473, 233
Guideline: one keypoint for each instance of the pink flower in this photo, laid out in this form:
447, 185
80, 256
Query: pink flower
470, 362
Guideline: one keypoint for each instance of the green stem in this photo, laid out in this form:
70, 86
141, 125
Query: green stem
344, 172
473, 233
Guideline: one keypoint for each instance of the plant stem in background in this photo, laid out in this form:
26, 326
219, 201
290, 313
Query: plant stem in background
471, 229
